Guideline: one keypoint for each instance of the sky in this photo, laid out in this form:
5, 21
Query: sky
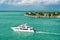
30, 5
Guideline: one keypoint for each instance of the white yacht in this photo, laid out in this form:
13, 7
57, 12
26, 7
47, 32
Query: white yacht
23, 28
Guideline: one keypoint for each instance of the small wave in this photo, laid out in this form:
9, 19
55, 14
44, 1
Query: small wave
48, 33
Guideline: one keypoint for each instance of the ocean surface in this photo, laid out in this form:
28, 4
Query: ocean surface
46, 28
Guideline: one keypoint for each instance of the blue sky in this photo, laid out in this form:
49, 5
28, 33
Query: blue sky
30, 5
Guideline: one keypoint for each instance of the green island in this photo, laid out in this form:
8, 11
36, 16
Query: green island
43, 14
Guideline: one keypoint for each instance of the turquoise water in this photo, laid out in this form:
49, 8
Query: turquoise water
46, 28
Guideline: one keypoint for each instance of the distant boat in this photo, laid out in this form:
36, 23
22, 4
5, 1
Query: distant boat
23, 28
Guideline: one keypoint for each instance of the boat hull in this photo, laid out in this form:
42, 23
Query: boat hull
19, 30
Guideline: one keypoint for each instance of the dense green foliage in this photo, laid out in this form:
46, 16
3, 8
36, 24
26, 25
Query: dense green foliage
42, 13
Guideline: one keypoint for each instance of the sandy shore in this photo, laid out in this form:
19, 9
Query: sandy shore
43, 16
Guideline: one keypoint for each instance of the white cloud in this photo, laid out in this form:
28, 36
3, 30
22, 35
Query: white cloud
2, 1
30, 2
33, 2
23, 2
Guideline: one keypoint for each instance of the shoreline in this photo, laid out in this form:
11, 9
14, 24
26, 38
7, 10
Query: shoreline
42, 16
45, 15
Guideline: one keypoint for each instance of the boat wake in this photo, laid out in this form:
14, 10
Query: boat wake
48, 33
